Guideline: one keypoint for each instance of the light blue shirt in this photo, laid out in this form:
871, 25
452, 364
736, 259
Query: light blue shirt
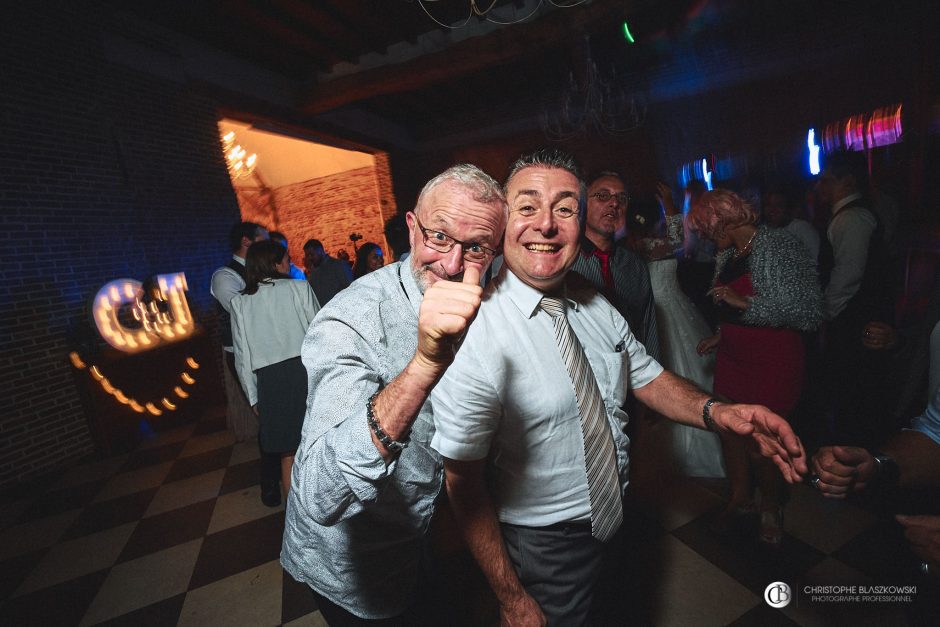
355, 528
508, 397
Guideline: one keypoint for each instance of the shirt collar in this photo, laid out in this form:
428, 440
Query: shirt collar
238, 259
525, 297
407, 279
838, 205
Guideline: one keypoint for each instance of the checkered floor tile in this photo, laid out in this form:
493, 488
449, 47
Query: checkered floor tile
175, 534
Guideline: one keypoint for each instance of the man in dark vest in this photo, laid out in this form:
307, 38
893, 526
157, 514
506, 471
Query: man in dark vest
228, 281
617, 272
856, 276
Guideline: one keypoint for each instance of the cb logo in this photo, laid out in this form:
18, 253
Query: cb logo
777, 595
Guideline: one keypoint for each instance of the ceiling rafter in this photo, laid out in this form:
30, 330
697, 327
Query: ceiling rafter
334, 33
321, 57
470, 55
362, 20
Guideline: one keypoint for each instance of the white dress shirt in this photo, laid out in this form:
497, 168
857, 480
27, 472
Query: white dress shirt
850, 234
224, 286
509, 397
268, 327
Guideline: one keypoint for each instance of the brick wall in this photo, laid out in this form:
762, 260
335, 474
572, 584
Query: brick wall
104, 173
327, 208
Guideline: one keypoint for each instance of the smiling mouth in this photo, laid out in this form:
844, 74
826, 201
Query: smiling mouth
543, 248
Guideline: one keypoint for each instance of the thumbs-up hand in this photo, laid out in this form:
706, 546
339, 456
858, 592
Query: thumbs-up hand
446, 312
842, 469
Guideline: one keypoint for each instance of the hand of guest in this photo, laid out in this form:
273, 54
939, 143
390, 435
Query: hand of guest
664, 196
446, 312
842, 469
524, 612
879, 336
709, 344
724, 293
923, 533
771, 434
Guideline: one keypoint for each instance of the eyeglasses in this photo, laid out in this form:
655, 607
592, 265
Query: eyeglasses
604, 196
444, 243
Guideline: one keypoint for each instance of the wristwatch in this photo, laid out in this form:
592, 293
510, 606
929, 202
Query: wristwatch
707, 415
886, 469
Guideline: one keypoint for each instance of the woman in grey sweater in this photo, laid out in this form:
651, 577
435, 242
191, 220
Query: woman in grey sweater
767, 293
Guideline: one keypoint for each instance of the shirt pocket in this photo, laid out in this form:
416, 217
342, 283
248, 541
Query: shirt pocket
615, 388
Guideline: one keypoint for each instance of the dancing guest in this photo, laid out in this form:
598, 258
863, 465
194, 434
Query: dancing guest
695, 452
767, 293
269, 320
369, 258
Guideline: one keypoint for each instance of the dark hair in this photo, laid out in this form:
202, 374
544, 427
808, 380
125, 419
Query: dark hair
277, 235
843, 164
261, 262
240, 230
361, 267
552, 158
396, 234
312, 244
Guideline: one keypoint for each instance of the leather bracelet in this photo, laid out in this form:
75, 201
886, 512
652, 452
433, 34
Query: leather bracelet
390, 445
707, 415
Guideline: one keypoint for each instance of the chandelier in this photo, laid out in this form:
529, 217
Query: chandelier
240, 164
486, 12
597, 104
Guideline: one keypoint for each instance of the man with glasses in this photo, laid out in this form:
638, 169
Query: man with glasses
365, 479
617, 272
533, 397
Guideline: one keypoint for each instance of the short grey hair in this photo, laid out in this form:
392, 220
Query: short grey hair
611, 174
482, 186
552, 158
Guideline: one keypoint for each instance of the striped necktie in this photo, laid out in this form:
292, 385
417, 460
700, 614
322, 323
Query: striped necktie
600, 460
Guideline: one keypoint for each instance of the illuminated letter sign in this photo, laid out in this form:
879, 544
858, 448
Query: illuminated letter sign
156, 325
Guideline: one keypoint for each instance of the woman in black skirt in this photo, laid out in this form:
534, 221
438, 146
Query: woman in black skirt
269, 320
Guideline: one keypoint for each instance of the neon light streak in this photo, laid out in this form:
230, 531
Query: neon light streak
813, 152
626, 33
706, 174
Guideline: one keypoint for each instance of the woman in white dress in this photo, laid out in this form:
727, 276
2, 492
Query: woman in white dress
696, 453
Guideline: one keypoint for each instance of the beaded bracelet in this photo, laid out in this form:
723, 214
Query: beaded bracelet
390, 445
707, 415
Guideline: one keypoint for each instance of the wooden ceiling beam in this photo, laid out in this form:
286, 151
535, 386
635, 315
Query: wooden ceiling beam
336, 35
362, 20
321, 56
470, 55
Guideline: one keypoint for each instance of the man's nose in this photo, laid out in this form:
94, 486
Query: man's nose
452, 261
545, 220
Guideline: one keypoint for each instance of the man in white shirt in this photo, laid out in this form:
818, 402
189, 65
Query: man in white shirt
544, 413
226, 283
853, 259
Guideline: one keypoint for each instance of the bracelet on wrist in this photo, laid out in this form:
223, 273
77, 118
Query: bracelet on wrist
707, 415
392, 446
887, 470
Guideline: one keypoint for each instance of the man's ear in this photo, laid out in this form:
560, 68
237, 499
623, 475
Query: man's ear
411, 221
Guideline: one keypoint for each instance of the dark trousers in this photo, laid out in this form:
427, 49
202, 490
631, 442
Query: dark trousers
270, 462
855, 382
421, 614
558, 566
